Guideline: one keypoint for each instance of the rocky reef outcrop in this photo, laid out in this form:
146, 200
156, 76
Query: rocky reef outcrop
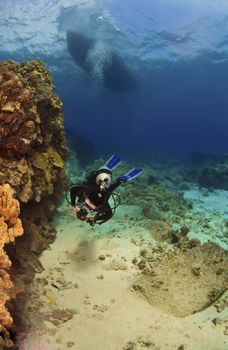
215, 176
32, 153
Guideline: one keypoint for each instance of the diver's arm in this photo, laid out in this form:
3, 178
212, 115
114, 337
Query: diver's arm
116, 184
73, 196
75, 191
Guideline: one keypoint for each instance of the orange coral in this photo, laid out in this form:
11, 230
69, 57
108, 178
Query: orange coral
10, 227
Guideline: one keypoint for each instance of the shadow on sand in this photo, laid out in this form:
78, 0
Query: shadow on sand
84, 254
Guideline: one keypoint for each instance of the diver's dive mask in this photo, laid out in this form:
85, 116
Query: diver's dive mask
103, 180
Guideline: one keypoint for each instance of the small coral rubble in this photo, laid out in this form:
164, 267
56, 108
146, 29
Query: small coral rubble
10, 227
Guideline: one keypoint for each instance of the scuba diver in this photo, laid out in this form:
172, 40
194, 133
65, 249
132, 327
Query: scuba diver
89, 200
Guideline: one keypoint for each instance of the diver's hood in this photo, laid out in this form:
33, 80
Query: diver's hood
103, 176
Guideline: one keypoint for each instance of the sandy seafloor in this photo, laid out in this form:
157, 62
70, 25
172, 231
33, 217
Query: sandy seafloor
83, 300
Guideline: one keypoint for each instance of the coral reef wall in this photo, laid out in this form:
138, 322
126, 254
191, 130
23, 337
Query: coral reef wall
32, 139
32, 153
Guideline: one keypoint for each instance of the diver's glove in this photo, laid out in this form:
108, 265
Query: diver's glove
82, 213
90, 221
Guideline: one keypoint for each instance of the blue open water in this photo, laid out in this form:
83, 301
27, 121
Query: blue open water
176, 50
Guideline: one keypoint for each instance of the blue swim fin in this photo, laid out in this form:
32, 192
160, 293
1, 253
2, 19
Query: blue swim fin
132, 174
112, 163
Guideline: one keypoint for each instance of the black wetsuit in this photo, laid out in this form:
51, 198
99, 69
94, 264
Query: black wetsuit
98, 197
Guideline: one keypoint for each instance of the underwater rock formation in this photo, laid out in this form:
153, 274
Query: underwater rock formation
32, 153
102, 64
214, 176
198, 157
155, 200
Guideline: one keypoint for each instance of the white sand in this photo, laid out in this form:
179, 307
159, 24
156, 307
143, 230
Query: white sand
108, 314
